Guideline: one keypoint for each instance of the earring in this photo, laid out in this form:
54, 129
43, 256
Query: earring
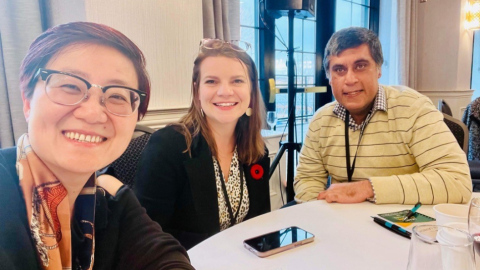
249, 111
203, 114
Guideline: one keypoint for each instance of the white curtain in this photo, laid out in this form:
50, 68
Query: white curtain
221, 19
407, 42
20, 24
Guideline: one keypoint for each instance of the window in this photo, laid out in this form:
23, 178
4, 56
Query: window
475, 80
305, 69
363, 13
249, 29
352, 13
389, 38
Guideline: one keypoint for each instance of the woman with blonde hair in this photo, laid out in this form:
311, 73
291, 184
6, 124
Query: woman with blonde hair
209, 171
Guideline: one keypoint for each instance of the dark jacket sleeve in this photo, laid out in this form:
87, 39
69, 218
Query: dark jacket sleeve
141, 243
160, 175
16, 246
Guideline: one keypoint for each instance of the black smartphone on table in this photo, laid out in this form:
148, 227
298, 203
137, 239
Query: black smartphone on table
278, 241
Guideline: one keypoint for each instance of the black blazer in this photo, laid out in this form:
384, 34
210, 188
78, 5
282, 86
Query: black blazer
125, 237
180, 192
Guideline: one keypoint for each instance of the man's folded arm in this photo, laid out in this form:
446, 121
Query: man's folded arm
444, 175
311, 177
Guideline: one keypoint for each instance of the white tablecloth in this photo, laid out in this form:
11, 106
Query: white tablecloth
345, 238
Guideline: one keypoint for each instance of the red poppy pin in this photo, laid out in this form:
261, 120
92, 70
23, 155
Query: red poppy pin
256, 171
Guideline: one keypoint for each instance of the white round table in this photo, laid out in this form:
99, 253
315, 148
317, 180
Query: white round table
345, 238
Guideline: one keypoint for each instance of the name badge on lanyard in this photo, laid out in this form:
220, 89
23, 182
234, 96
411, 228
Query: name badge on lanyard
351, 168
227, 198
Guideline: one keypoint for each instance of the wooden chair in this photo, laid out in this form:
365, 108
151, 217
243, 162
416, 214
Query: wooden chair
444, 108
459, 130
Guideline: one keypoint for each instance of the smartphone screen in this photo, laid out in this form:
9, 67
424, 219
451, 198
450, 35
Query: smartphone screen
278, 239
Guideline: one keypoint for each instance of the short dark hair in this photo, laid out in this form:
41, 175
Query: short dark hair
52, 41
352, 37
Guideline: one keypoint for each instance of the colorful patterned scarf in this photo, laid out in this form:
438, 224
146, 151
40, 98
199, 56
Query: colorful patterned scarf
48, 211
475, 108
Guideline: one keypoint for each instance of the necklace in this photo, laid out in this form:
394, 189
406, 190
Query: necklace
233, 218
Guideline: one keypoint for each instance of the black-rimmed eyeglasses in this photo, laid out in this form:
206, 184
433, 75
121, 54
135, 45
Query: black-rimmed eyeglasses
236, 45
69, 89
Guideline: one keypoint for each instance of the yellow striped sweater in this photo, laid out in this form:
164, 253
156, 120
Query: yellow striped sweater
408, 153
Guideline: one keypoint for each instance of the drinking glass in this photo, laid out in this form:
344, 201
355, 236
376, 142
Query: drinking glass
272, 119
474, 223
434, 247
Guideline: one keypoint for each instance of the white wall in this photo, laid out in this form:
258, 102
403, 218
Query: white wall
444, 53
168, 32
61, 11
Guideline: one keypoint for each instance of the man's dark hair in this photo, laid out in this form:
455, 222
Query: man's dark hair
352, 37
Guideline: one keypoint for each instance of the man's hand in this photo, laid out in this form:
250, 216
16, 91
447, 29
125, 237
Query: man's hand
355, 192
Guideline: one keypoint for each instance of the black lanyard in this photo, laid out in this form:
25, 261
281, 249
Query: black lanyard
351, 169
225, 194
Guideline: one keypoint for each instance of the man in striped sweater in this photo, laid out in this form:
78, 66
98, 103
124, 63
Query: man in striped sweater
399, 148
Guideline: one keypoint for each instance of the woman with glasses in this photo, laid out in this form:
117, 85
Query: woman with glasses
84, 86
209, 171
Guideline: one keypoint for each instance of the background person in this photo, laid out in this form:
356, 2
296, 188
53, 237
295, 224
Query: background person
84, 86
400, 150
210, 171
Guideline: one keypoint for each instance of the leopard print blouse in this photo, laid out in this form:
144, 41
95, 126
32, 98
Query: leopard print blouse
233, 191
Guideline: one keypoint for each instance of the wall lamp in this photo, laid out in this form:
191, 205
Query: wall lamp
472, 15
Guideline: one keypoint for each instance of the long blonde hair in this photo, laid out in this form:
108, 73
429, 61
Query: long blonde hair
250, 144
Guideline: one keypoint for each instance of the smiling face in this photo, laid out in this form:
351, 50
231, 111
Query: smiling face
354, 79
224, 90
56, 131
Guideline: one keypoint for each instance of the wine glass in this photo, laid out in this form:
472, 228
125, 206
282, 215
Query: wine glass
474, 223
272, 119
